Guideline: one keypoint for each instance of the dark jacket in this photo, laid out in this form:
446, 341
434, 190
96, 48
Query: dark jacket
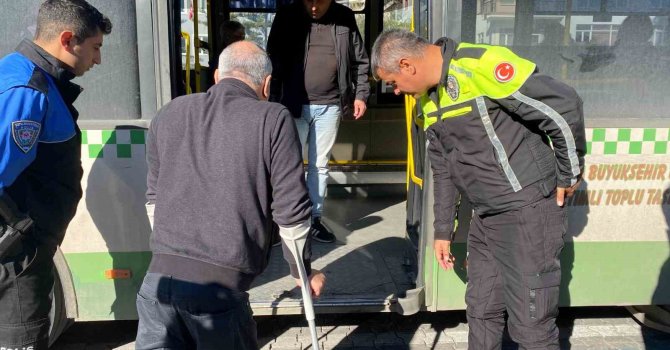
222, 166
492, 135
41, 153
287, 48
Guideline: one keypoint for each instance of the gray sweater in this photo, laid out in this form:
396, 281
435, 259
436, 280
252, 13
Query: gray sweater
223, 168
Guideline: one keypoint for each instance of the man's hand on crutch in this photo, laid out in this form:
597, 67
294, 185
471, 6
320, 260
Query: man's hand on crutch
316, 281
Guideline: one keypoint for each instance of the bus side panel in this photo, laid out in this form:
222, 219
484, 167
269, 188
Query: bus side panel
616, 250
100, 297
593, 274
110, 230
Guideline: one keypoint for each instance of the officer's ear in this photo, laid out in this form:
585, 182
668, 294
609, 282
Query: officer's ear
216, 76
407, 66
68, 40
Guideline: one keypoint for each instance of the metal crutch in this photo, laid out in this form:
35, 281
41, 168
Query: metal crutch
295, 241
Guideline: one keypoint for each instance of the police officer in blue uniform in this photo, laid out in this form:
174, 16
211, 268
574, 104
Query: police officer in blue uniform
40, 169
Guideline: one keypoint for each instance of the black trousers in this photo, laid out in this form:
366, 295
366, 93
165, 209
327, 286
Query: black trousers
26, 281
514, 266
181, 315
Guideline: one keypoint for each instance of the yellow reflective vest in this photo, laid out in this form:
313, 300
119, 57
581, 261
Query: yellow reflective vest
498, 132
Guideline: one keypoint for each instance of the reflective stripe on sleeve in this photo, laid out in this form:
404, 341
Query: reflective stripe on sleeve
563, 126
500, 150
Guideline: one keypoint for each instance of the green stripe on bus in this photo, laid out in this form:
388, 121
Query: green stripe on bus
599, 141
593, 273
100, 298
614, 141
597, 273
122, 143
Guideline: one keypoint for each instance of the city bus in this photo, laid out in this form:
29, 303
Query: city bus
617, 246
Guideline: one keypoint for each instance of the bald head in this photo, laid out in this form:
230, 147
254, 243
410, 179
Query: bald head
246, 61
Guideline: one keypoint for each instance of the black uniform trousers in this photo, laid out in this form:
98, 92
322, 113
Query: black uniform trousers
514, 266
26, 282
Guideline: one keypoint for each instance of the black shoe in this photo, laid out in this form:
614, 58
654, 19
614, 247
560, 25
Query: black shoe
320, 233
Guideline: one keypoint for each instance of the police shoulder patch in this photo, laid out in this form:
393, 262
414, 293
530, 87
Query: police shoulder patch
453, 90
25, 133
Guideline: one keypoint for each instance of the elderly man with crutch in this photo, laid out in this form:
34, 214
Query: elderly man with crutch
224, 167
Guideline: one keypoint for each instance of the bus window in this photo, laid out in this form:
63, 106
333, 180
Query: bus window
257, 4
615, 53
187, 24
358, 6
397, 14
189, 11
257, 16
256, 25
114, 84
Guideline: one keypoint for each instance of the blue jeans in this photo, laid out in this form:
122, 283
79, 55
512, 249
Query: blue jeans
317, 127
177, 314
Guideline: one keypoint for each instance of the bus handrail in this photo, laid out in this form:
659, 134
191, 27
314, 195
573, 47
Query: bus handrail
196, 44
410, 102
187, 67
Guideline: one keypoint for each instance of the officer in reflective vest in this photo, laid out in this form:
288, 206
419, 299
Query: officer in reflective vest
40, 169
511, 141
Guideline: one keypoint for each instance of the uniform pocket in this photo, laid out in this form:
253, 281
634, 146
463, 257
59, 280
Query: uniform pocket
555, 229
27, 261
35, 257
542, 294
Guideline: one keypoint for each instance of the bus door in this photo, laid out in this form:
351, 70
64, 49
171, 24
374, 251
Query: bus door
372, 263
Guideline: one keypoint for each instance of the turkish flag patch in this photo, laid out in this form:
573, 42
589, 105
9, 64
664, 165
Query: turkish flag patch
504, 72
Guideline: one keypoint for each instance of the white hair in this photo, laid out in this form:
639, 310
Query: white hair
391, 46
244, 59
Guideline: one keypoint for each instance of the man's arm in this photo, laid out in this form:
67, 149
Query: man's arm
22, 110
153, 163
360, 63
274, 47
445, 200
153, 166
291, 206
556, 109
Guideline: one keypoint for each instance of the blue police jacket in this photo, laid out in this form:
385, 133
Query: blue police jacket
40, 142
